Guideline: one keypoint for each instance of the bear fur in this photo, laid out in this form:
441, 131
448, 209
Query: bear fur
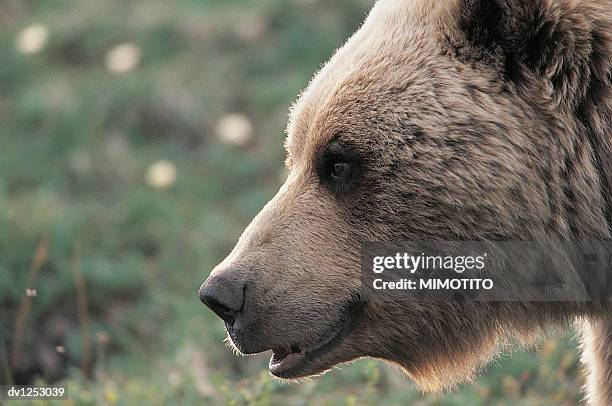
437, 120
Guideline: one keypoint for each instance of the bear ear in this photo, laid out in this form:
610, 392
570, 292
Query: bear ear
541, 37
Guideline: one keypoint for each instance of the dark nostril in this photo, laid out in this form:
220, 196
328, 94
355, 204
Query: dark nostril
228, 316
223, 296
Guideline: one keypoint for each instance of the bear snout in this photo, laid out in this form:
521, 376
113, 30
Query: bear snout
224, 295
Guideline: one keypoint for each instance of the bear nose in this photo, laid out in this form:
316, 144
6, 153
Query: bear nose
224, 296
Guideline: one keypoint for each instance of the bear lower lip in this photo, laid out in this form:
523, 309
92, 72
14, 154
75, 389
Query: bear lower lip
300, 360
280, 364
287, 363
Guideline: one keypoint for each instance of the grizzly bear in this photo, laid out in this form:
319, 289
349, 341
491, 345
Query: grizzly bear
462, 120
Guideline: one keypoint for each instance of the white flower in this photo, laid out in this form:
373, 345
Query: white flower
161, 174
32, 39
80, 161
123, 58
235, 129
175, 379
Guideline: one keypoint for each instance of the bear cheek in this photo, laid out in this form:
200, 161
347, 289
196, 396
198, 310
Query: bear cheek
297, 266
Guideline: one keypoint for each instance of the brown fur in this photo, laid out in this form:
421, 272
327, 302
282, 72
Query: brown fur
462, 120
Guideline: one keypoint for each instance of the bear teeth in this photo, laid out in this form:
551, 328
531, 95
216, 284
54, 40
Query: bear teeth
280, 353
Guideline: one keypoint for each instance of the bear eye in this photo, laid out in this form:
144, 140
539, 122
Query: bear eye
339, 167
339, 170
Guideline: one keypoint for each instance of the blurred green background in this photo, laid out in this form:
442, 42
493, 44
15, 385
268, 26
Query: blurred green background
137, 139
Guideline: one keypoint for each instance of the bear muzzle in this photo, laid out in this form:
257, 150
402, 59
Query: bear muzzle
232, 297
225, 296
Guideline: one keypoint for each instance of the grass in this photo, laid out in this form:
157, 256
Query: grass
117, 289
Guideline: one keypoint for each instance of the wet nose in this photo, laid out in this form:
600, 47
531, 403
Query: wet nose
224, 296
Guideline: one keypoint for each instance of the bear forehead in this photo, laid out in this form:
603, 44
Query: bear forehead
388, 58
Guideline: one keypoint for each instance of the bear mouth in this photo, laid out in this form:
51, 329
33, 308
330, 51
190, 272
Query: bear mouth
300, 360
290, 362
